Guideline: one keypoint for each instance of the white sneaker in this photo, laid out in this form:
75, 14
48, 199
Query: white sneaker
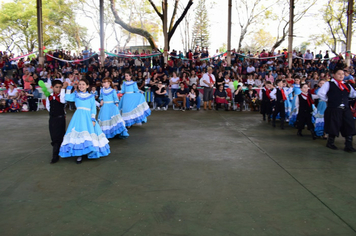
158, 108
164, 108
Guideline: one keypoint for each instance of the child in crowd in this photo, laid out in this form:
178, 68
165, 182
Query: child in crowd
84, 136
57, 121
304, 103
109, 117
192, 98
15, 106
3, 106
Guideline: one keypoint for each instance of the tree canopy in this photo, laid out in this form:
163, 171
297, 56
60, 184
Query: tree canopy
18, 25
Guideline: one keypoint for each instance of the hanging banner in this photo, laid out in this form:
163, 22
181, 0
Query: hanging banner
17, 58
70, 61
132, 56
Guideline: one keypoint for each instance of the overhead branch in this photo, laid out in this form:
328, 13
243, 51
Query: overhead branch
171, 32
173, 15
156, 10
131, 29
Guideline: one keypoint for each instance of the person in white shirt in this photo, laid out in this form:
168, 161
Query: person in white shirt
193, 79
308, 56
174, 82
208, 81
250, 69
338, 117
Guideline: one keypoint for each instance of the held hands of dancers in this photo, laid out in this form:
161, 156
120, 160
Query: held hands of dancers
65, 85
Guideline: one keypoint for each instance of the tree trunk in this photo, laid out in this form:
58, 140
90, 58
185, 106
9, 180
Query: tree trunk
133, 30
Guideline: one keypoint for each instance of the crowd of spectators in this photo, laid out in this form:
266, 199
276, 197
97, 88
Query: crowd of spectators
177, 80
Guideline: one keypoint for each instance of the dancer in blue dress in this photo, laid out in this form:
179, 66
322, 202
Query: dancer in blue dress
296, 92
109, 118
287, 103
319, 117
84, 136
133, 105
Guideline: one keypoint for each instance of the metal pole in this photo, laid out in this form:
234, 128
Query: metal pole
165, 33
350, 14
102, 35
290, 37
40, 32
229, 34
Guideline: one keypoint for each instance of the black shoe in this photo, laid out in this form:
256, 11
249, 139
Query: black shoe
79, 162
54, 160
331, 146
349, 149
299, 133
348, 145
313, 134
264, 118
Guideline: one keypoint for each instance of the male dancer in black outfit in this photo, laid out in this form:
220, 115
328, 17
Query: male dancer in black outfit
57, 120
338, 117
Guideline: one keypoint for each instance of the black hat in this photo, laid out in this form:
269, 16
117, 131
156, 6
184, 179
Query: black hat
339, 66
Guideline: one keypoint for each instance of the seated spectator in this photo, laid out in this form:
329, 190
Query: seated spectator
258, 81
14, 107
3, 106
12, 93
22, 99
197, 97
193, 79
192, 96
348, 76
32, 97
220, 97
251, 97
250, 80
161, 97
181, 95
239, 97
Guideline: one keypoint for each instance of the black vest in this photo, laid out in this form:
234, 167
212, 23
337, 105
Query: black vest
264, 95
336, 97
303, 105
56, 108
279, 95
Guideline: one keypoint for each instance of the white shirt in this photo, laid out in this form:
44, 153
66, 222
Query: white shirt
286, 92
61, 98
250, 69
323, 91
193, 80
305, 98
205, 80
174, 80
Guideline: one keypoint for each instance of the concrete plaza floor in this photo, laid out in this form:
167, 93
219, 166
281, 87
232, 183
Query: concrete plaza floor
183, 173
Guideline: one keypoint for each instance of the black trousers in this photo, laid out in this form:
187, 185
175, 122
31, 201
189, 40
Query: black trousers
304, 118
279, 108
57, 129
266, 108
32, 103
339, 121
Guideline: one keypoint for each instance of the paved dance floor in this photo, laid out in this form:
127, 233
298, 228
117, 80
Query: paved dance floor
183, 173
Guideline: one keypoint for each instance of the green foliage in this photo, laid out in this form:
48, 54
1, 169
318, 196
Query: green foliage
261, 40
335, 18
19, 19
201, 25
223, 48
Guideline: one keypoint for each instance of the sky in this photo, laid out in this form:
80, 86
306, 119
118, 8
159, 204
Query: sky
217, 11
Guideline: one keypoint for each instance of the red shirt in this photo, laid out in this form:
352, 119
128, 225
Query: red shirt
7, 82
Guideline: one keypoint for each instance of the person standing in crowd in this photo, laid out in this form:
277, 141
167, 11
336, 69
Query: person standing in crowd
208, 81
338, 117
109, 119
57, 120
32, 96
